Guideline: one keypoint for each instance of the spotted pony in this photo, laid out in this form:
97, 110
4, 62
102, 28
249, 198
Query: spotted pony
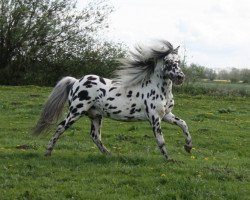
142, 90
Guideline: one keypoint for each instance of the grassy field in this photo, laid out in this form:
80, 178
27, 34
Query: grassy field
218, 167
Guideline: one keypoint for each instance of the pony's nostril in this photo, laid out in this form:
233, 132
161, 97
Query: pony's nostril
179, 77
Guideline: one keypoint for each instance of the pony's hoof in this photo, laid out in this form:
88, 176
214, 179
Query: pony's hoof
188, 148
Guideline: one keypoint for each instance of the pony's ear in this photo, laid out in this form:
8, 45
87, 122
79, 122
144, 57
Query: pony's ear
176, 49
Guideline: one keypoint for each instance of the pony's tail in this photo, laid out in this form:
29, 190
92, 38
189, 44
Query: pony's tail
54, 105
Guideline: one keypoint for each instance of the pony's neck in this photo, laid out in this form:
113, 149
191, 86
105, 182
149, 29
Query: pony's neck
158, 76
158, 79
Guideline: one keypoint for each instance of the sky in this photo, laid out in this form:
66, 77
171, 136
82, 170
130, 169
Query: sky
214, 33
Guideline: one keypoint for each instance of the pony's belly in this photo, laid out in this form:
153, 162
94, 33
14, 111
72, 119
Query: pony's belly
121, 117
120, 113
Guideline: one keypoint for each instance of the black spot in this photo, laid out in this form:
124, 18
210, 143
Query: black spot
133, 105
138, 94
74, 110
71, 92
69, 124
83, 95
110, 99
112, 89
129, 94
103, 91
62, 123
170, 106
118, 94
153, 119
79, 105
142, 96
132, 111
76, 90
130, 117
91, 78
74, 98
102, 80
176, 118
112, 107
76, 114
162, 89
117, 112
145, 102
89, 83
106, 104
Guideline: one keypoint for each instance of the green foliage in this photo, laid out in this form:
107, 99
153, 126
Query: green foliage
235, 75
43, 40
193, 72
218, 167
214, 89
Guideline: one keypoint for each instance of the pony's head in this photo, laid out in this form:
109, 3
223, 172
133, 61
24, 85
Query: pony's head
171, 67
144, 61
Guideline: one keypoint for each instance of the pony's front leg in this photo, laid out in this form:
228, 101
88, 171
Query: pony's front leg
171, 118
156, 126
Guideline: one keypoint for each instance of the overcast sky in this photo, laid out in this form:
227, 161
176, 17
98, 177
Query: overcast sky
216, 33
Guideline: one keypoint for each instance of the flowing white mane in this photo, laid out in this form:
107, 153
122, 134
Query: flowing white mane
141, 64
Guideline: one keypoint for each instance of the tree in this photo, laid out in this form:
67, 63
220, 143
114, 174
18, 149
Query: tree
245, 75
210, 74
39, 35
234, 75
194, 72
223, 74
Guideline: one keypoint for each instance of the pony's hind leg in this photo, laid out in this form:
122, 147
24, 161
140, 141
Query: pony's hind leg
95, 133
65, 124
171, 118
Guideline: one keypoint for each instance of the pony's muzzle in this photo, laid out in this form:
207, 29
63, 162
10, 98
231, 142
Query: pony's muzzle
180, 78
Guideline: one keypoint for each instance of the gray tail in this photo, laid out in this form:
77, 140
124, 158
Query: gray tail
54, 105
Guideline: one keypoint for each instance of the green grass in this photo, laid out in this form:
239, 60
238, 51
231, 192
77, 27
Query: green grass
218, 167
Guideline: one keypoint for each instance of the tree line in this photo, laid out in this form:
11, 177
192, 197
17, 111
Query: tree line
195, 72
44, 40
